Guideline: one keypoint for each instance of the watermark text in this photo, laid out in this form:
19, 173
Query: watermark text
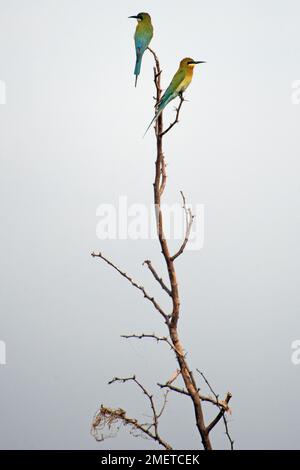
295, 96
124, 221
2, 353
295, 357
2, 92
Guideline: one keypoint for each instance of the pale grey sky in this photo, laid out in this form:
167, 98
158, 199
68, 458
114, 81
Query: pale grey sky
71, 139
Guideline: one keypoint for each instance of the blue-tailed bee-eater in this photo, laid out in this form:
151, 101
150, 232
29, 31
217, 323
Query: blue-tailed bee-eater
142, 39
178, 85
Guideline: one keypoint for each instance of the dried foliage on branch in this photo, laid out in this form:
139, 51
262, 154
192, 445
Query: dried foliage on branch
110, 420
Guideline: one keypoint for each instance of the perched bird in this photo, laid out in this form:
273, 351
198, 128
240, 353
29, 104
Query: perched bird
142, 39
178, 85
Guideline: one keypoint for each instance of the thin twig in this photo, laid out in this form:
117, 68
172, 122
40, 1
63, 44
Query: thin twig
176, 120
156, 276
207, 383
157, 64
225, 420
174, 388
220, 414
144, 390
174, 377
134, 284
156, 415
163, 176
157, 74
189, 218
220, 404
222, 411
153, 336
164, 404
109, 416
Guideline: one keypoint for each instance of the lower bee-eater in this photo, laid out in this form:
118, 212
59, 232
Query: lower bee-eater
178, 85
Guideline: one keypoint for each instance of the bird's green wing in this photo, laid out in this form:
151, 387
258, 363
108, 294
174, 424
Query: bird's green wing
177, 79
170, 93
142, 37
173, 87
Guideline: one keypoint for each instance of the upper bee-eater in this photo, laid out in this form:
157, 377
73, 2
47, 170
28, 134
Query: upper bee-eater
142, 39
178, 85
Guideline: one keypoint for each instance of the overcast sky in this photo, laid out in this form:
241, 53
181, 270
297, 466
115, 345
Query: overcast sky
71, 140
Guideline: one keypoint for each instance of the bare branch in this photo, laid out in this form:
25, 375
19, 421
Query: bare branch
220, 404
157, 64
153, 336
159, 186
227, 432
207, 383
163, 175
156, 415
174, 376
156, 276
107, 417
189, 222
221, 414
174, 388
134, 284
164, 404
176, 120
144, 390
157, 75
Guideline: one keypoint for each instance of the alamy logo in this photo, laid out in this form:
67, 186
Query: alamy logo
2, 92
295, 97
295, 358
2, 353
125, 221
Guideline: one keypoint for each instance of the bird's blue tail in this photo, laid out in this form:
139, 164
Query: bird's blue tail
158, 112
137, 68
161, 106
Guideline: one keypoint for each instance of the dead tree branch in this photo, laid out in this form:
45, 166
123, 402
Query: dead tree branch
222, 405
146, 428
174, 388
189, 218
109, 417
159, 186
106, 416
152, 336
176, 120
134, 284
156, 276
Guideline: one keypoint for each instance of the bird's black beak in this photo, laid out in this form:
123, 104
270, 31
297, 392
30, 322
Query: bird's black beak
134, 16
198, 62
